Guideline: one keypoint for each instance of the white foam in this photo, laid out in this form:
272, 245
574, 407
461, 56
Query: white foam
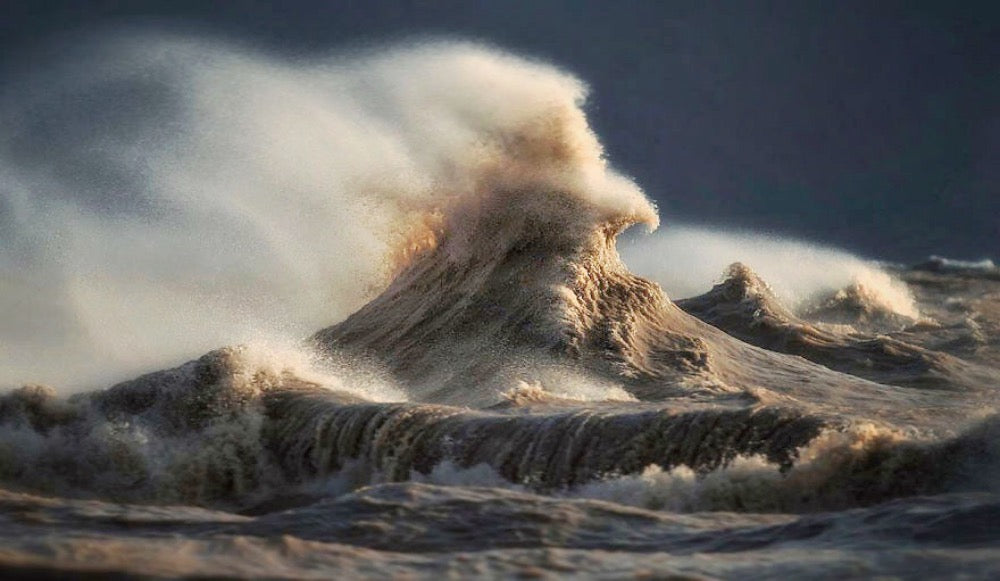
351, 375
568, 385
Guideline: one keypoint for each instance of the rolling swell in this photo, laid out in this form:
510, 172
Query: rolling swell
762, 459
225, 432
219, 430
545, 452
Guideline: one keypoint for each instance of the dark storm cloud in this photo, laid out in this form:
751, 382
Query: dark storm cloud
876, 129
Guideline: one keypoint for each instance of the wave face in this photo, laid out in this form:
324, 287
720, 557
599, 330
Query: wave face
501, 394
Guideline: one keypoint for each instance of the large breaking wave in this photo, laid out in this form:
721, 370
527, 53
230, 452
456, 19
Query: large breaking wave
162, 196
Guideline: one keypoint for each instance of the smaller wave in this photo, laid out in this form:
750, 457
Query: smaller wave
875, 303
744, 306
686, 260
582, 390
941, 264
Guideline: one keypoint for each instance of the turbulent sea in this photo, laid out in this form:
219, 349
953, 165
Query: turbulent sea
424, 356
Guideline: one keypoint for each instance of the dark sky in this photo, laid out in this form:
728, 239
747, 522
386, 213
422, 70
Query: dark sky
876, 129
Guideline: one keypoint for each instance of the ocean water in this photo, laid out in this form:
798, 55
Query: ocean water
366, 316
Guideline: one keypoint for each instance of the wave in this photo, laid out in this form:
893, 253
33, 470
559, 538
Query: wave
569, 389
219, 213
227, 431
745, 306
985, 267
208, 194
861, 308
521, 285
862, 465
225, 427
686, 260
840, 468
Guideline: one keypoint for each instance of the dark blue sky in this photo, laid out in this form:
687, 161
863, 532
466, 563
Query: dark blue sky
874, 129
